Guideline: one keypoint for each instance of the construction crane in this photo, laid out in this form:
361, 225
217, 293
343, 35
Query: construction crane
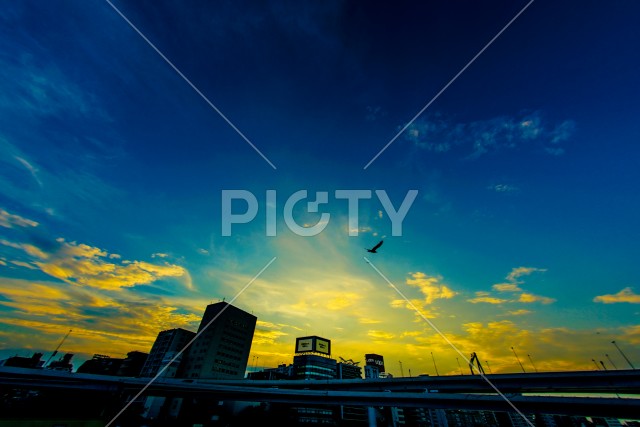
58, 348
474, 357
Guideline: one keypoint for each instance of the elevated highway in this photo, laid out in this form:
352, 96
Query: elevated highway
568, 393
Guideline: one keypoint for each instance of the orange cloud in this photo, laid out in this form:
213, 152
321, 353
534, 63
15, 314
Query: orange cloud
528, 298
519, 312
430, 287
100, 322
29, 249
625, 295
506, 287
86, 265
487, 299
380, 335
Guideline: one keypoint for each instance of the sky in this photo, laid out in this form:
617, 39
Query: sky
524, 234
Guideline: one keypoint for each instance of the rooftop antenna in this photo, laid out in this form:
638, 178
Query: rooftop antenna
58, 347
401, 370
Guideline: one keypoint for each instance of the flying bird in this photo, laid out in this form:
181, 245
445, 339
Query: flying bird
374, 249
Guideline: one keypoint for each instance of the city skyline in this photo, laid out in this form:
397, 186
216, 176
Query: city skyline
523, 234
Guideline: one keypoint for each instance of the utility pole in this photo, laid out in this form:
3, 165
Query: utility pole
434, 364
401, 370
518, 359
531, 360
623, 355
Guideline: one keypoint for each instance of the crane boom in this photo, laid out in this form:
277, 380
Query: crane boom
58, 347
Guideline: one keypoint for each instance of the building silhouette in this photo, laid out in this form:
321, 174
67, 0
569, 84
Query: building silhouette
100, 364
33, 362
222, 349
166, 346
123, 367
63, 364
374, 365
132, 365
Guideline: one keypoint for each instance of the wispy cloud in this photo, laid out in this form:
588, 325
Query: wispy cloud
520, 312
368, 321
504, 188
439, 135
625, 295
486, 298
513, 287
381, 335
518, 272
32, 169
9, 220
431, 287
159, 255
43, 90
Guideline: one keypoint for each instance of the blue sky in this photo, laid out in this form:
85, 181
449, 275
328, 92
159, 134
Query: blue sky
524, 232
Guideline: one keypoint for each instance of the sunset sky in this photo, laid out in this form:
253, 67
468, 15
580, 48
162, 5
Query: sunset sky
524, 232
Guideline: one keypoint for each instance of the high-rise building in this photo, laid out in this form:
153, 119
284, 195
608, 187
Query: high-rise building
374, 365
312, 360
167, 345
221, 351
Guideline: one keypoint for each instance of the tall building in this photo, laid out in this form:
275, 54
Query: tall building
166, 346
222, 349
312, 360
374, 365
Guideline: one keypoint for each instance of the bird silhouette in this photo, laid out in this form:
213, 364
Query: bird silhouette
374, 249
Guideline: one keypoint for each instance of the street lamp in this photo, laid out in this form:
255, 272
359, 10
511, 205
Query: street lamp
518, 359
623, 355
